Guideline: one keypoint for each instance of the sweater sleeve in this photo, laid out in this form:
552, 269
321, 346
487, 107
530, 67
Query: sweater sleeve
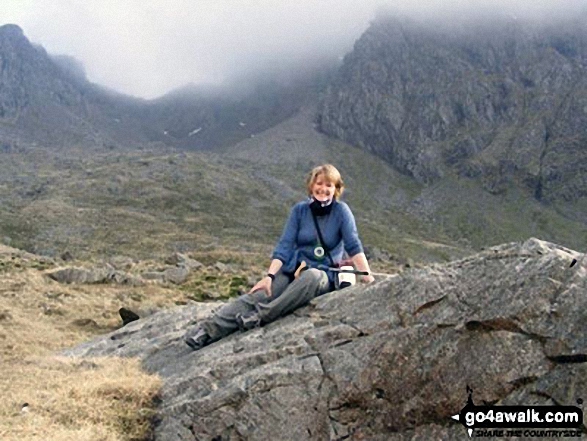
350, 235
286, 246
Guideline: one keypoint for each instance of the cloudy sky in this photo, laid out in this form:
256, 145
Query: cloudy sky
147, 47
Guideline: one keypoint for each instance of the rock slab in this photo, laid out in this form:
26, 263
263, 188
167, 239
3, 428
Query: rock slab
390, 361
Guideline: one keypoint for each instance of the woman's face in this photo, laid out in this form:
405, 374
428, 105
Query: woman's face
322, 189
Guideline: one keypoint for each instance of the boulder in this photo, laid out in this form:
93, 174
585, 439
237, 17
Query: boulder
181, 260
223, 267
70, 275
158, 276
80, 275
175, 275
388, 361
121, 263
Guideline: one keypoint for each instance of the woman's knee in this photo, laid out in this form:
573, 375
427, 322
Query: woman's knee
235, 306
313, 275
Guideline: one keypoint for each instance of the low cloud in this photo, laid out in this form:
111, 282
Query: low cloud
149, 48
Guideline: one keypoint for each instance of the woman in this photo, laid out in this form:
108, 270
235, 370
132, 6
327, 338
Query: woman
319, 230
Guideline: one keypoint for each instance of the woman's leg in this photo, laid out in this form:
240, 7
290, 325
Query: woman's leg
223, 322
310, 284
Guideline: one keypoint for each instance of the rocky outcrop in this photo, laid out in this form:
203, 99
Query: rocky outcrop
71, 275
116, 271
183, 261
38, 100
499, 100
390, 361
109, 274
176, 275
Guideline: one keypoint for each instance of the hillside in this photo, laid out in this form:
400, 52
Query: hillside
149, 203
117, 185
46, 102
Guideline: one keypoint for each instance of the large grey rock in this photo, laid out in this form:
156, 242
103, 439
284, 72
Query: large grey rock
175, 275
79, 275
181, 260
390, 361
70, 275
121, 263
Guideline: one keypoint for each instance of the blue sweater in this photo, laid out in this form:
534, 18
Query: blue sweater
300, 238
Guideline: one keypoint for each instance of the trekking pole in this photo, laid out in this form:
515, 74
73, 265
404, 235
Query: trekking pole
354, 271
343, 270
389, 276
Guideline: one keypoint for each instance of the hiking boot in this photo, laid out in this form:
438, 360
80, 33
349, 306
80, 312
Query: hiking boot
198, 340
127, 316
250, 320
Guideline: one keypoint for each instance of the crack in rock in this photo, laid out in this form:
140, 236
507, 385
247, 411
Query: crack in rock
565, 359
429, 304
502, 324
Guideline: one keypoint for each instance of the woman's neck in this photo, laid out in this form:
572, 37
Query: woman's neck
321, 208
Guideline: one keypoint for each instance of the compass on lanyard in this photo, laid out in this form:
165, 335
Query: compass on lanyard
319, 251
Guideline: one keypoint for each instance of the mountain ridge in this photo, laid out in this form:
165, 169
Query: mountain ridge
481, 193
503, 103
47, 100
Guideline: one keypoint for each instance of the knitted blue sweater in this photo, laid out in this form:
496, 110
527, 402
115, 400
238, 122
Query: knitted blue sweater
300, 238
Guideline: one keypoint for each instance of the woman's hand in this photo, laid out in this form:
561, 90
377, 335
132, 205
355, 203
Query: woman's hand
360, 262
367, 279
264, 284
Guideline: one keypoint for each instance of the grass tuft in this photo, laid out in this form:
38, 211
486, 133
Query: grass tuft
90, 399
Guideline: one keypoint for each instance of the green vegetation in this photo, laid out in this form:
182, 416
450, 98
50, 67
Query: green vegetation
226, 208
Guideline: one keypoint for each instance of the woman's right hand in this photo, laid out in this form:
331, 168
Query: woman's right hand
264, 284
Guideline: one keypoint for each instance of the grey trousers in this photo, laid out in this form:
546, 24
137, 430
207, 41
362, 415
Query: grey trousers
285, 298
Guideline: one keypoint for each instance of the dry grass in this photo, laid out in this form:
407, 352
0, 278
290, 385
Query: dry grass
68, 399
98, 399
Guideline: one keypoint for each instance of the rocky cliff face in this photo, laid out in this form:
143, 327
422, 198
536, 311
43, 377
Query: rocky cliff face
502, 102
36, 97
391, 361
47, 101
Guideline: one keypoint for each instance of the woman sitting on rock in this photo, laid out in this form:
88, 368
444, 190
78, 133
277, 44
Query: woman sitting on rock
317, 233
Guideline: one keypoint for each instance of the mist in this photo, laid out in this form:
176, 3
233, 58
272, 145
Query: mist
147, 49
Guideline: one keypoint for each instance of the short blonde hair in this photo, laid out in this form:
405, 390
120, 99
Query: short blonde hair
331, 174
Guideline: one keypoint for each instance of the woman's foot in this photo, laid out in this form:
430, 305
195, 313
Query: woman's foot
198, 340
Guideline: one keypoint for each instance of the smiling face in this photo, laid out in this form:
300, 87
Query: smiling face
322, 189
324, 183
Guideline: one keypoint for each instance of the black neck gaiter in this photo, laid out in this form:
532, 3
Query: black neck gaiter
321, 210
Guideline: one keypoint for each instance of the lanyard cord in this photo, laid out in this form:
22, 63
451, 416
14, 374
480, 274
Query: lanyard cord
321, 239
